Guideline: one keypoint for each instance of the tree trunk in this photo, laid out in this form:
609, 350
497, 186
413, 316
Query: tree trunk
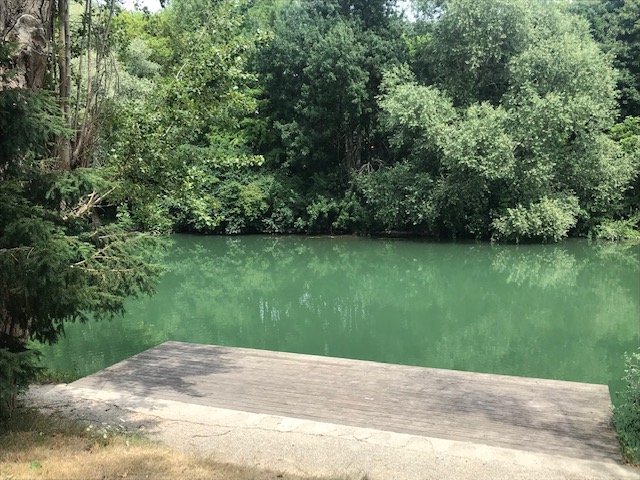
28, 23
353, 150
64, 66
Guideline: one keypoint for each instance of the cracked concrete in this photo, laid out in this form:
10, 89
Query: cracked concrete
312, 448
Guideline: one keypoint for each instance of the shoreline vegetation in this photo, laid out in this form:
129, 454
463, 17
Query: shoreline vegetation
370, 121
627, 413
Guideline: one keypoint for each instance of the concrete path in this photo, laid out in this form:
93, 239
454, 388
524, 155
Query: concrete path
531, 414
313, 448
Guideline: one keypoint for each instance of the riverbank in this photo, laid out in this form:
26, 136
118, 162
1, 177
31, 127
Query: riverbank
313, 449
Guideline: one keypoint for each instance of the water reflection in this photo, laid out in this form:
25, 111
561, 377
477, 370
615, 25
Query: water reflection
565, 311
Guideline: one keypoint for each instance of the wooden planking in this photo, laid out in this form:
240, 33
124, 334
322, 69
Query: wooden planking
549, 416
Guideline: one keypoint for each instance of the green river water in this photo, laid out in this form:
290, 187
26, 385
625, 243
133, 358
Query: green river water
567, 311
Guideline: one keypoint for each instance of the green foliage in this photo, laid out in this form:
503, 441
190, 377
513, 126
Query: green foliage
323, 213
17, 370
64, 254
619, 230
232, 203
614, 24
174, 148
321, 73
398, 198
627, 413
55, 266
287, 205
335, 67
549, 220
137, 58
627, 136
525, 154
479, 163
415, 117
306, 117
472, 44
246, 203
479, 145
58, 260
139, 28
26, 111
7, 51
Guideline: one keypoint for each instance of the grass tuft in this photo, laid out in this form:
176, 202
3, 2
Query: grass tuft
48, 377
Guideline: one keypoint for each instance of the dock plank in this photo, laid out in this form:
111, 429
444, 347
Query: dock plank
548, 416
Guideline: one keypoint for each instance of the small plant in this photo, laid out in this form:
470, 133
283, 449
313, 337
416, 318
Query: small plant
627, 414
47, 377
620, 230
17, 370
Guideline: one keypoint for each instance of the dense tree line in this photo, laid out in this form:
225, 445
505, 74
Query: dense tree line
495, 119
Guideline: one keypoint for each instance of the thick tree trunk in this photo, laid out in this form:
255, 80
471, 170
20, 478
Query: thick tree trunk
28, 24
353, 150
12, 330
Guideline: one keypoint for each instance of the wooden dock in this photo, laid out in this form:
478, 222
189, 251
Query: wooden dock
548, 416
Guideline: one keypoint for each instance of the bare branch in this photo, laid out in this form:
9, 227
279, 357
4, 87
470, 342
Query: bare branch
91, 201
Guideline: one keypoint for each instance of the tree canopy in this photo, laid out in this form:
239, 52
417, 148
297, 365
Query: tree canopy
489, 119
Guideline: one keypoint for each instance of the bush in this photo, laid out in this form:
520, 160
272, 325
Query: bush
619, 230
548, 219
627, 414
397, 198
17, 370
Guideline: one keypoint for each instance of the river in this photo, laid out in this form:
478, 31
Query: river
565, 311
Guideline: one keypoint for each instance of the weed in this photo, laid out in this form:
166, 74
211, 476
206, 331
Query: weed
627, 414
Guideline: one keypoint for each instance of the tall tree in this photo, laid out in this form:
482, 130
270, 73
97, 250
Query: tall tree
321, 75
614, 24
61, 259
472, 67
176, 148
525, 154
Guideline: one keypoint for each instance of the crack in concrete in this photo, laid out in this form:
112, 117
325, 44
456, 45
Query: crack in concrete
212, 435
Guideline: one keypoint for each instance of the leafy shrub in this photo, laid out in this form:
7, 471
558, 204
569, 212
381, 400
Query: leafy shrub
17, 370
287, 206
242, 203
547, 219
618, 230
627, 414
398, 198
323, 212
628, 134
